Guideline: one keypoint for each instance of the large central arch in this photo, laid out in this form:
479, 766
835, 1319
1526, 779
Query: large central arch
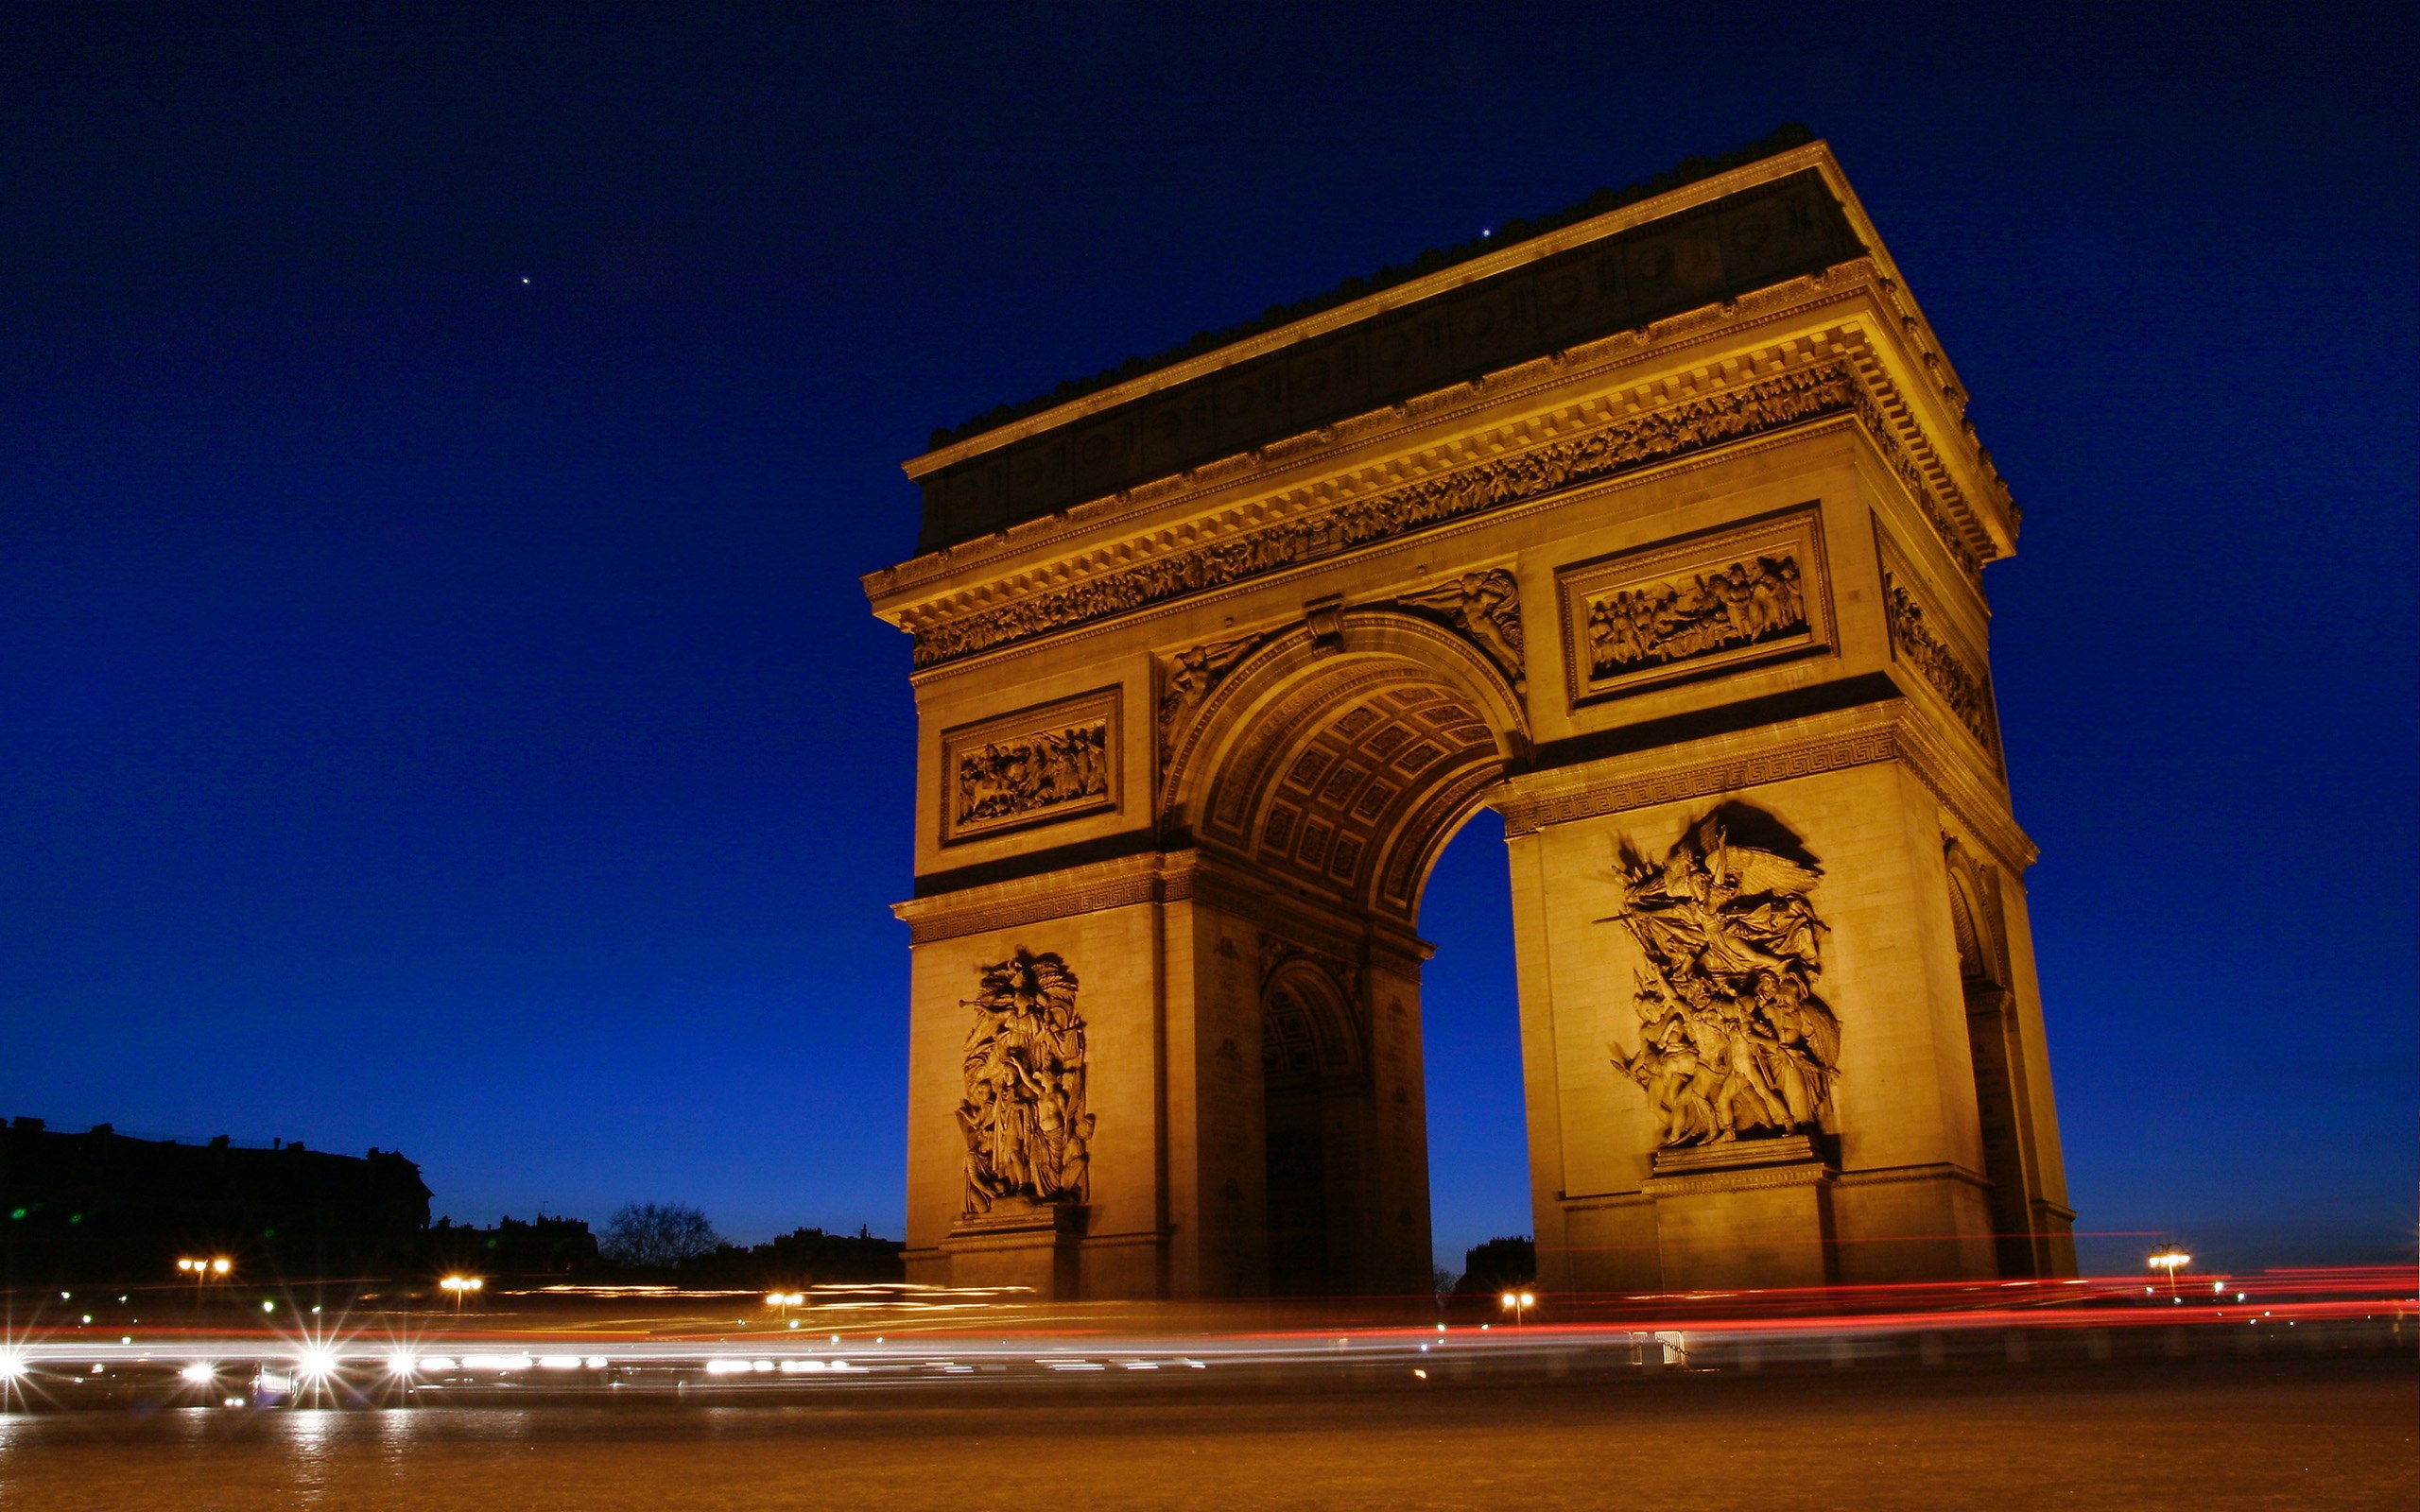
1660, 533
1342, 763
1330, 767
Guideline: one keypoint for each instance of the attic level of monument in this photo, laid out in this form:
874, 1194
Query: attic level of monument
1541, 301
1434, 259
1731, 366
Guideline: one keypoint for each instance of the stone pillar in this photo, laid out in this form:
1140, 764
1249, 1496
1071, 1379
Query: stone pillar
1888, 1185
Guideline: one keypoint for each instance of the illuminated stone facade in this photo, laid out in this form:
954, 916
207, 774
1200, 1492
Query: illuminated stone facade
1661, 533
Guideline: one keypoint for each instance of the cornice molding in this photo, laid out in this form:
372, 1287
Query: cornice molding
1163, 877
1663, 343
1899, 730
1884, 1175
1811, 1173
1002, 614
1085, 890
1660, 345
1670, 421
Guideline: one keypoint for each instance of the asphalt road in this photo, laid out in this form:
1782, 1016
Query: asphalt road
2315, 1433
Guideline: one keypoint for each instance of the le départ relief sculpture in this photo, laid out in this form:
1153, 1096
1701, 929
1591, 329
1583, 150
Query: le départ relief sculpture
1028, 1133
1734, 1038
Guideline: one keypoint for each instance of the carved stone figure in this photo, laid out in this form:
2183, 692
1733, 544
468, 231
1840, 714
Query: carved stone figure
1028, 1132
1650, 624
1733, 1038
1031, 772
1189, 677
1485, 606
1968, 695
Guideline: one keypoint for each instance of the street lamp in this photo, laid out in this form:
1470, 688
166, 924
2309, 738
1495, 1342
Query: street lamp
2169, 1260
1518, 1304
460, 1287
204, 1270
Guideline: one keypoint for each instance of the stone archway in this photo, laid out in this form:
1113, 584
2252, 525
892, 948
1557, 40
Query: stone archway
1662, 535
1314, 779
1342, 758
1317, 1111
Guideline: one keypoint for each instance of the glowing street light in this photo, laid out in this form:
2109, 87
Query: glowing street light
2169, 1260
1518, 1304
460, 1287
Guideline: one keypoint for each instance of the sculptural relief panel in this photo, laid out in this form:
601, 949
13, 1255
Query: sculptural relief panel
1680, 610
1029, 1134
1484, 606
1051, 762
1735, 1038
1186, 678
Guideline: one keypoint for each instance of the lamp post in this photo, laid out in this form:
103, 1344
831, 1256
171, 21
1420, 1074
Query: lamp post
460, 1287
2169, 1260
1518, 1304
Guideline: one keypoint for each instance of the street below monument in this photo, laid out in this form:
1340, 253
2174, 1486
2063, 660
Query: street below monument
2333, 1432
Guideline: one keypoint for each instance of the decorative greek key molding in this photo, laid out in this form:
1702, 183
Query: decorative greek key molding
1802, 1174
1710, 419
1801, 748
1526, 815
1085, 890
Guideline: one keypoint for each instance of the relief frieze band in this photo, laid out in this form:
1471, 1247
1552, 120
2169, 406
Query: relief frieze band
1921, 639
1051, 762
1944, 669
1812, 392
1670, 612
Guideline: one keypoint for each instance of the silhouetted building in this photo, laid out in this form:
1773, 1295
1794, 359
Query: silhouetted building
1497, 1266
804, 1257
100, 1205
537, 1249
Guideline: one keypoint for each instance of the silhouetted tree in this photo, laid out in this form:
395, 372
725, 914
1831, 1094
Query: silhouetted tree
656, 1235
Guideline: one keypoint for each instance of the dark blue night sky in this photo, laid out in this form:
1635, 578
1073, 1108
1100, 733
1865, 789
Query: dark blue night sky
437, 709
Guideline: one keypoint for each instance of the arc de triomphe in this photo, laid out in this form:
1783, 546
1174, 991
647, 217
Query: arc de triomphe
1662, 533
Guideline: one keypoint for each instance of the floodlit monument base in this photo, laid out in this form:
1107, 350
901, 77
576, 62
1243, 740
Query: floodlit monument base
1660, 532
1018, 1244
1757, 1215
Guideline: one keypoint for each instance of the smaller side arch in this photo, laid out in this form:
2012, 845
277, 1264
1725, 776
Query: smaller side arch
1309, 1029
1973, 914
